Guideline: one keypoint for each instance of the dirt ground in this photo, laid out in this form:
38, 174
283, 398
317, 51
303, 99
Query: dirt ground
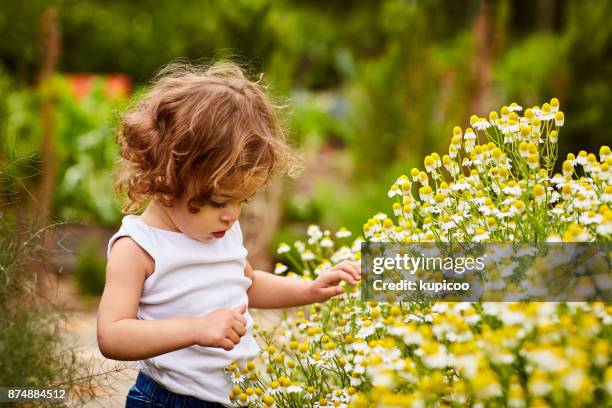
82, 330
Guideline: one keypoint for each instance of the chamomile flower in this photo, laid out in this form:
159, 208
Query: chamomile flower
343, 233
300, 246
307, 255
453, 352
394, 190
481, 235
480, 124
314, 233
280, 268
581, 158
546, 112
605, 153
553, 136
514, 107
469, 135
554, 105
510, 127
283, 248
426, 193
326, 242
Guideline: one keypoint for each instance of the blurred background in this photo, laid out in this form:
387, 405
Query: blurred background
373, 86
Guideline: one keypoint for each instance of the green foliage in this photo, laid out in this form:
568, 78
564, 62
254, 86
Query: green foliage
388, 80
33, 346
344, 205
336, 203
86, 152
525, 72
35, 352
588, 38
83, 144
90, 270
299, 208
318, 117
19, 132
389, 97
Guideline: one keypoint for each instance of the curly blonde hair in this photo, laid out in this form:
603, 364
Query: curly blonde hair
204, 131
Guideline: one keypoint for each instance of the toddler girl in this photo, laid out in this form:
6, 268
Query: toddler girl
178, 285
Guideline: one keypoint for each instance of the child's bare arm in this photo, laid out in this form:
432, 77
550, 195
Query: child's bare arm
269, 291
121, 336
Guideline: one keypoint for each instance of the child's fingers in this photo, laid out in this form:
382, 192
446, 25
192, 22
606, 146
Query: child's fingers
240, 318
338, 275
233, 336
349, 271
332, 291
241, 309
350, 267
239, 328
227, 344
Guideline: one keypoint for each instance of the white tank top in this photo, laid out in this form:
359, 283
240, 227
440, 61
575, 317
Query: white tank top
192, 278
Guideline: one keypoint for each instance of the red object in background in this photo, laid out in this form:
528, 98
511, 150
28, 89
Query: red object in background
118, 86
80, 84
115, 85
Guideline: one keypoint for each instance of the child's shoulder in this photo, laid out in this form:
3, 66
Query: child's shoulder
125, 248
125, 252
139, 232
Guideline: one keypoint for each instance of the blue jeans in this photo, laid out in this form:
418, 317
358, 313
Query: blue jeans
146, 393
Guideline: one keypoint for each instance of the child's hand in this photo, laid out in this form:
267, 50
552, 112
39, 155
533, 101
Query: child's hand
221, 328
327, 285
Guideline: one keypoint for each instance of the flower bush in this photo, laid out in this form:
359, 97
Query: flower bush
496, 184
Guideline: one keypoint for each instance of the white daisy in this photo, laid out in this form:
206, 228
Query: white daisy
280, 268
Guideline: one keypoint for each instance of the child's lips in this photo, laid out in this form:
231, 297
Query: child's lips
218, 234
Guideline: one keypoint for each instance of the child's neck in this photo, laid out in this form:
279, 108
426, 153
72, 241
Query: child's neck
156, 216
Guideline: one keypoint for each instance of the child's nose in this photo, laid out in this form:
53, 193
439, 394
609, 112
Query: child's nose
231, 213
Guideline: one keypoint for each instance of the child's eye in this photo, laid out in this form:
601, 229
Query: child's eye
217, 204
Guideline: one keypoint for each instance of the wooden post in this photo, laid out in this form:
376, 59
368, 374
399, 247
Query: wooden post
482, 61
50, 45
261, 220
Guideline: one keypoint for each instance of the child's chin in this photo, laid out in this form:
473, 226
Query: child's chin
205, 238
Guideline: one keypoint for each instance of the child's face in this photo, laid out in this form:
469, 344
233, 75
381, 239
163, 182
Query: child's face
208, 224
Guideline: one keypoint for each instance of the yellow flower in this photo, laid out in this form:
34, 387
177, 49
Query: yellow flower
604, 153
425, 193
533, 162
554, 104
539, 193
329, 346
568, 168
559, 119
518, 206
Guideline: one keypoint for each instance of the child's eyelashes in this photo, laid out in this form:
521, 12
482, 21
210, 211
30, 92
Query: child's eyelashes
218, 204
